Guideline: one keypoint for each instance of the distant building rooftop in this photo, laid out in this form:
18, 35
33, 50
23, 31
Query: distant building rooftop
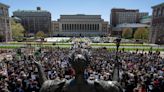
4, 5
146, 17
132, 25
161, 4
146, 20
78, 15
124, 10
31, 11
38, 9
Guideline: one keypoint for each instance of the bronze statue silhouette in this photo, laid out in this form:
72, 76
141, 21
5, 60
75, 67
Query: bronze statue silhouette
79, 60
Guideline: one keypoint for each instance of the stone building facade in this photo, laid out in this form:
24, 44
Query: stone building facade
5, 27
35, 20
120, 16
157, 29
80, 25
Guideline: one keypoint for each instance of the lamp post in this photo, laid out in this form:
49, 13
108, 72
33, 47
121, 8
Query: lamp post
116, 67
118, 40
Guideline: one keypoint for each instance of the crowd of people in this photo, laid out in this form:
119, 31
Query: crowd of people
138, 71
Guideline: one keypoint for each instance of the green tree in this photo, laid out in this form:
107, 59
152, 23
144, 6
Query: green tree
40, 34
127, 33
141, 33
17, 30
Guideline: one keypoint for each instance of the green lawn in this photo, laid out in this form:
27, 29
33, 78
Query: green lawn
140, 49
9, 47
14, 45
113, 44
65, 46
69, 44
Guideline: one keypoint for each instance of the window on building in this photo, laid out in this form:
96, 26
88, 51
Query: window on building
159, 12
1, 12
154, 14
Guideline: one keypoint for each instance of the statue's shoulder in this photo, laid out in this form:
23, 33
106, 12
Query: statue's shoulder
52, 86
107, 86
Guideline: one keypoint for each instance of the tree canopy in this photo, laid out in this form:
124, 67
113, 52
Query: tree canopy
40, 34
141, 33
17, 30
127, 33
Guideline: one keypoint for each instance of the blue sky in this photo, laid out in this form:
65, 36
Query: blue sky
102, 7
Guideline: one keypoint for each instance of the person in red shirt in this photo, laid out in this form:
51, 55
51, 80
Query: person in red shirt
142, 88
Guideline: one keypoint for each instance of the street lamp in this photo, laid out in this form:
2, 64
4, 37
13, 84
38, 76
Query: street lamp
116, 67
159, 42
118, 40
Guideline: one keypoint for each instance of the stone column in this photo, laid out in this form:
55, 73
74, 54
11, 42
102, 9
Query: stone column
64, 26
61, 27
89, 26
69, 27
84, 27
76, 27
73, 28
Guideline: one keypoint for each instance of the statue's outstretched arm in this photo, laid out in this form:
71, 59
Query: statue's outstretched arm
107, 86
52, 86
42, 76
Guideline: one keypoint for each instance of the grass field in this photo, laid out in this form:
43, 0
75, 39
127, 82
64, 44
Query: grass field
69, 44
110, 46
126, 49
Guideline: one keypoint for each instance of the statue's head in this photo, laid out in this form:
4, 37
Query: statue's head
79, 60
